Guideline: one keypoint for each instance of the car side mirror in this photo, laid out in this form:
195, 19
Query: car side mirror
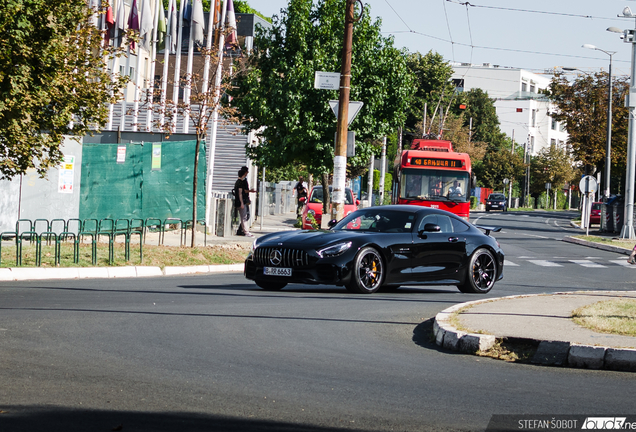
357, 202
332, 223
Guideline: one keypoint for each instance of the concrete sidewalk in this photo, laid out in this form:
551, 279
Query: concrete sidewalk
543, 320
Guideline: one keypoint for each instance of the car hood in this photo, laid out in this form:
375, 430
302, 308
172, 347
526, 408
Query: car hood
306, 238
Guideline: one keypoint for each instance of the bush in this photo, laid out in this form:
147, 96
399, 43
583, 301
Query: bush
474, 202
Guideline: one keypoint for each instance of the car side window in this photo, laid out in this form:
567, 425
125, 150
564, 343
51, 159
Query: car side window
432, 219
459, 226
444, 222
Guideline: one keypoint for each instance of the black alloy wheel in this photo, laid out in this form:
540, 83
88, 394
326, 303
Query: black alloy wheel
368, 272
481, 274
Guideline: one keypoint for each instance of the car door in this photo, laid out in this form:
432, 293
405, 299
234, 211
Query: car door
437, 255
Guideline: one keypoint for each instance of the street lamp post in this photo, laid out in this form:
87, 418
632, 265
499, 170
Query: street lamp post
608, 145
627, 232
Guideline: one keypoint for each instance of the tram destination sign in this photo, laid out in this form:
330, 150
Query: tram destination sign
434, 162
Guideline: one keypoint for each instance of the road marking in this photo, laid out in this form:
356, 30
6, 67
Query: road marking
526, 257
537, 236
544, 263
510, 263
623, 262
588, 263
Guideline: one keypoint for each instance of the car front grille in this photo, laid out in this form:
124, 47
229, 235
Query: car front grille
294, 258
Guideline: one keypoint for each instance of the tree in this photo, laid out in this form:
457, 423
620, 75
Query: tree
276, 96
552, 165
485, 122
500, 165
582, 105
434, 87
53, 81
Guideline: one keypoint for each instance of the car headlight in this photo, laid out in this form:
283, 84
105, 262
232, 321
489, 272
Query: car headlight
334, 250
311, 212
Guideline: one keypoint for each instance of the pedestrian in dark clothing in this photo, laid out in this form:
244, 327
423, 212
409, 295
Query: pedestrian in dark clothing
301, 192
242, 201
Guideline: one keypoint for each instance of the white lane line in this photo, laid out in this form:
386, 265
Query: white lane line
588, 263
510, 264
623, 262
526, 257
544, 263
534, 235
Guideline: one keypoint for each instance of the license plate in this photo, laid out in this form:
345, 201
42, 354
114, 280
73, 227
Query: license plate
495, 205
277, 271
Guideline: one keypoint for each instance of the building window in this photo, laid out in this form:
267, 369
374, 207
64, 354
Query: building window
531, 145
532, 88
459, 84
524, 86
554, 124
552, 142
131, 72
534, 118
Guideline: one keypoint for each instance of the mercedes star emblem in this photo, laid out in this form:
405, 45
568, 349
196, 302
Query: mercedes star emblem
275, 257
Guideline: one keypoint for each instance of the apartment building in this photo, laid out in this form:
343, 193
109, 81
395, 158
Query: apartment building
525, 114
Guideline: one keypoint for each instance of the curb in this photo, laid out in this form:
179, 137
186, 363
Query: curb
38, 273
549, 353
594, 245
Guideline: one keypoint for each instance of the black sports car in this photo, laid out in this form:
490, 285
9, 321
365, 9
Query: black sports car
386, 246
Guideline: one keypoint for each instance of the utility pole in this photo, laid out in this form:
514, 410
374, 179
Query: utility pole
340, 157
627, 232
382, 171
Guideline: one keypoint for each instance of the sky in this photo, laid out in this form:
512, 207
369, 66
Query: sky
537, 35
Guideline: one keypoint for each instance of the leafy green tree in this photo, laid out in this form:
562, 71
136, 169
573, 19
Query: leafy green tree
552, 165
433, 76
499, 165
485, 122
277, 99
53, 81
582, 105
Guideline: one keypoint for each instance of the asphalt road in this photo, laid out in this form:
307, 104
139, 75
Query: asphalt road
215, 353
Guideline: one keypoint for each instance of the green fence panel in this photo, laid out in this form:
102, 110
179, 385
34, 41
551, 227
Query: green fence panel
144, 181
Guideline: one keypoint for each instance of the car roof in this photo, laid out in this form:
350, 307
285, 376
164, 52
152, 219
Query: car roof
330, 187
407, 208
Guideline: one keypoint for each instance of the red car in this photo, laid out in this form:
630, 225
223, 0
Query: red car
314, 205
595, 214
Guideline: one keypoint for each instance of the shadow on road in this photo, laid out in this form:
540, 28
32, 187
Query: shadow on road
61, 419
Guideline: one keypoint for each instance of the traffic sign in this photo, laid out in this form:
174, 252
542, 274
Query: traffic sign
327, 80
588, 184
354, 108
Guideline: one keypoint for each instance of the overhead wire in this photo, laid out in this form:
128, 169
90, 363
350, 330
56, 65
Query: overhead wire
449, 31
473, 46
468, 4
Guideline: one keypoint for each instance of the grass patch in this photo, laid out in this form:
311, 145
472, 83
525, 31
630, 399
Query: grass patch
159, 256
611, 316
623, 243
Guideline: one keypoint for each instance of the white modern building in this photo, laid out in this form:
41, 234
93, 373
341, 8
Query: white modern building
524, 113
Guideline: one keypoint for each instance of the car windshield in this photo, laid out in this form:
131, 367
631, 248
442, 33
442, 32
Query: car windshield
497, 197
377, 220
596, 206
434, 185
317, 195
